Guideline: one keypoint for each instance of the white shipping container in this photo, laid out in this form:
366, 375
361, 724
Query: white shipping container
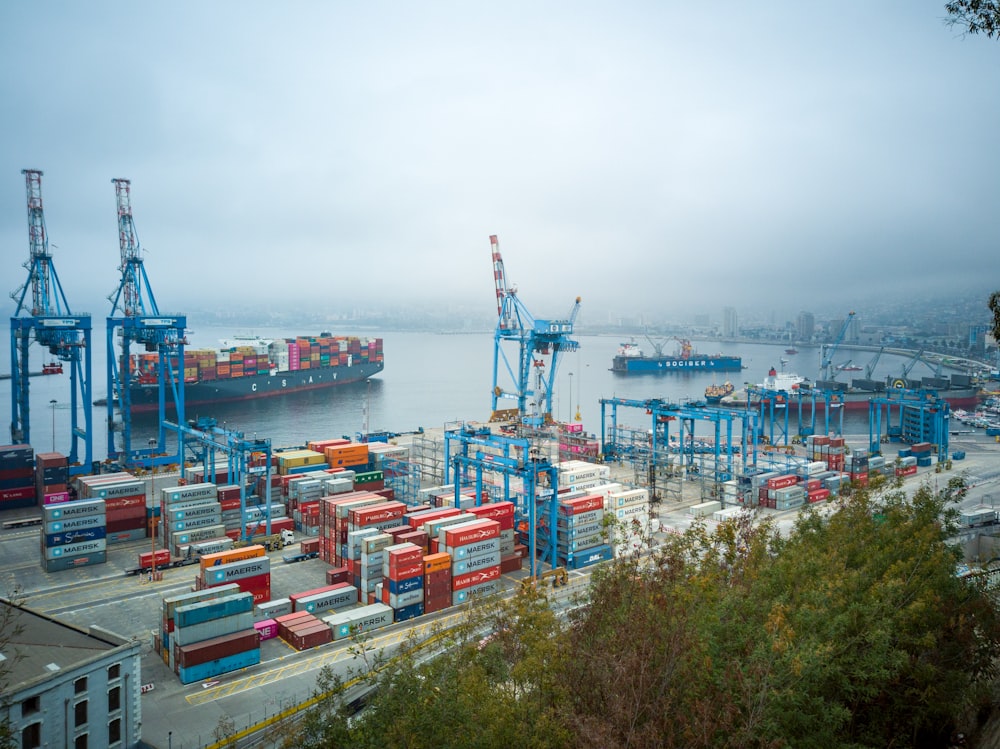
704, 508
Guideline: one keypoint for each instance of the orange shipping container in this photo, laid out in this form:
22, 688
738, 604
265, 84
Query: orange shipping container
436, 562
231, 555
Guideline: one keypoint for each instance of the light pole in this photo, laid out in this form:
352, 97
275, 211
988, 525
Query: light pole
52, 405
152, 493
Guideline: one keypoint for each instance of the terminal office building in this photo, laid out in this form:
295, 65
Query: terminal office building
67, 687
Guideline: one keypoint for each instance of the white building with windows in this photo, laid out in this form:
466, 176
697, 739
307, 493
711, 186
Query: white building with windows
67, 687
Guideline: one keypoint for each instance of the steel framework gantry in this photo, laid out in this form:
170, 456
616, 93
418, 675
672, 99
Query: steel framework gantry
920, 416
55, 327
540, 343
139, 321
246, 460
663, 413
536, 499
775, 408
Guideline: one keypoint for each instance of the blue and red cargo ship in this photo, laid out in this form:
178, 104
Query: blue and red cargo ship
631, 359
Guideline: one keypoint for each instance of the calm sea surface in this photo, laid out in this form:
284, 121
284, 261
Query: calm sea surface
429, 380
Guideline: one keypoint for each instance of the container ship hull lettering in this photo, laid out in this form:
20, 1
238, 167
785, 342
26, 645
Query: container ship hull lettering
630, 359
250, 368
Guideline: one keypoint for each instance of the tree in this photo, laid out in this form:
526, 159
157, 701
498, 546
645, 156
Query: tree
975, 16
994, 305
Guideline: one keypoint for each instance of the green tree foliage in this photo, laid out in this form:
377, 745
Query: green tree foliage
850, 630
975, 16
994, 305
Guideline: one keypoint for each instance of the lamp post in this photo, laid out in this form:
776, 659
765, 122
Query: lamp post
52, 405
152, 492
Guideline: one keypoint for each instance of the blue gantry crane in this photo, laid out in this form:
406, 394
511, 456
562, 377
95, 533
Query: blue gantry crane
138, 320
540, 343
53, 326
828, 350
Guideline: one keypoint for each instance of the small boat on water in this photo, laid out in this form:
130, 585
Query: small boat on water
791, 351
715, 393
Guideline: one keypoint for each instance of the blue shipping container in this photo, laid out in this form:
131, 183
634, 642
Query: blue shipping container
409, 612
590, 556
72, 537
203, 611
924, 460
234, 662
406, 585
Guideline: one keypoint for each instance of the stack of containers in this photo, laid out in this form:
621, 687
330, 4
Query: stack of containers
124, 498
857, 468
248, 568
298, 461
325, 600
377, 516
403, 584
474, 548
389, 459
437, 582
923, 452
837, 450
165, 643
183, 530
17, 482
372, 545
340, 482
370, 481
347, 455
51, 478
214, 637
580, 475
580, 534
632, 530
73, 535
778, 483
512, 554
907, 465
789, 497
252, 575
333, 521
362, 619
877, 464
302, 630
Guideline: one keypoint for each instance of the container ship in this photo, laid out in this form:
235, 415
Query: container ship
253, 367
960, 391
631, 359
715, 393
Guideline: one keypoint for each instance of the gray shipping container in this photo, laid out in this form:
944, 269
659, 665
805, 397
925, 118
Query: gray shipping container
74, 562
362, 619
77, 509
78, 549
322, 603
271, 609
74, 524
227, 573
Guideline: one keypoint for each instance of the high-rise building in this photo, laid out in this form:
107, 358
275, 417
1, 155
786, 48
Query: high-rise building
730, 327
806, 326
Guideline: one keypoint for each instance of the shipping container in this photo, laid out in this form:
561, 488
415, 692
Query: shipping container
222, 666
216, 608
217, 648
213, 628
363, 619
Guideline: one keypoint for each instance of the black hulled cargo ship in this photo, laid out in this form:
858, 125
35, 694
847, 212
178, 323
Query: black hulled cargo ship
252, 367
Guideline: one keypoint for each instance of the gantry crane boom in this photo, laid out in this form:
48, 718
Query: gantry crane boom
540, 343
53, 326
828, 350
140, 321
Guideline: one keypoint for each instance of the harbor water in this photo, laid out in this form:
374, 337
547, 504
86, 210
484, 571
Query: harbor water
429, 380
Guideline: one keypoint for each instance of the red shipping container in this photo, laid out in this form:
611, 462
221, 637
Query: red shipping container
493, 510
438, 576
27, 473
437, 588
401, 557
511, 563
120, 503
581, 504
418, 537
120, 526
781, 482
444, 512
481, 530
146, 558
229, 504
404, 573
337, 575
218, 647
521, 550
309, 545
469, 579
310, 638
380, 513
9, 495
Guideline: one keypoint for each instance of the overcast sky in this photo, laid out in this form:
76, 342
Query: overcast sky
651, 157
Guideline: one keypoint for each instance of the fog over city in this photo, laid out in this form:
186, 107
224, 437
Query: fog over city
650, 157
